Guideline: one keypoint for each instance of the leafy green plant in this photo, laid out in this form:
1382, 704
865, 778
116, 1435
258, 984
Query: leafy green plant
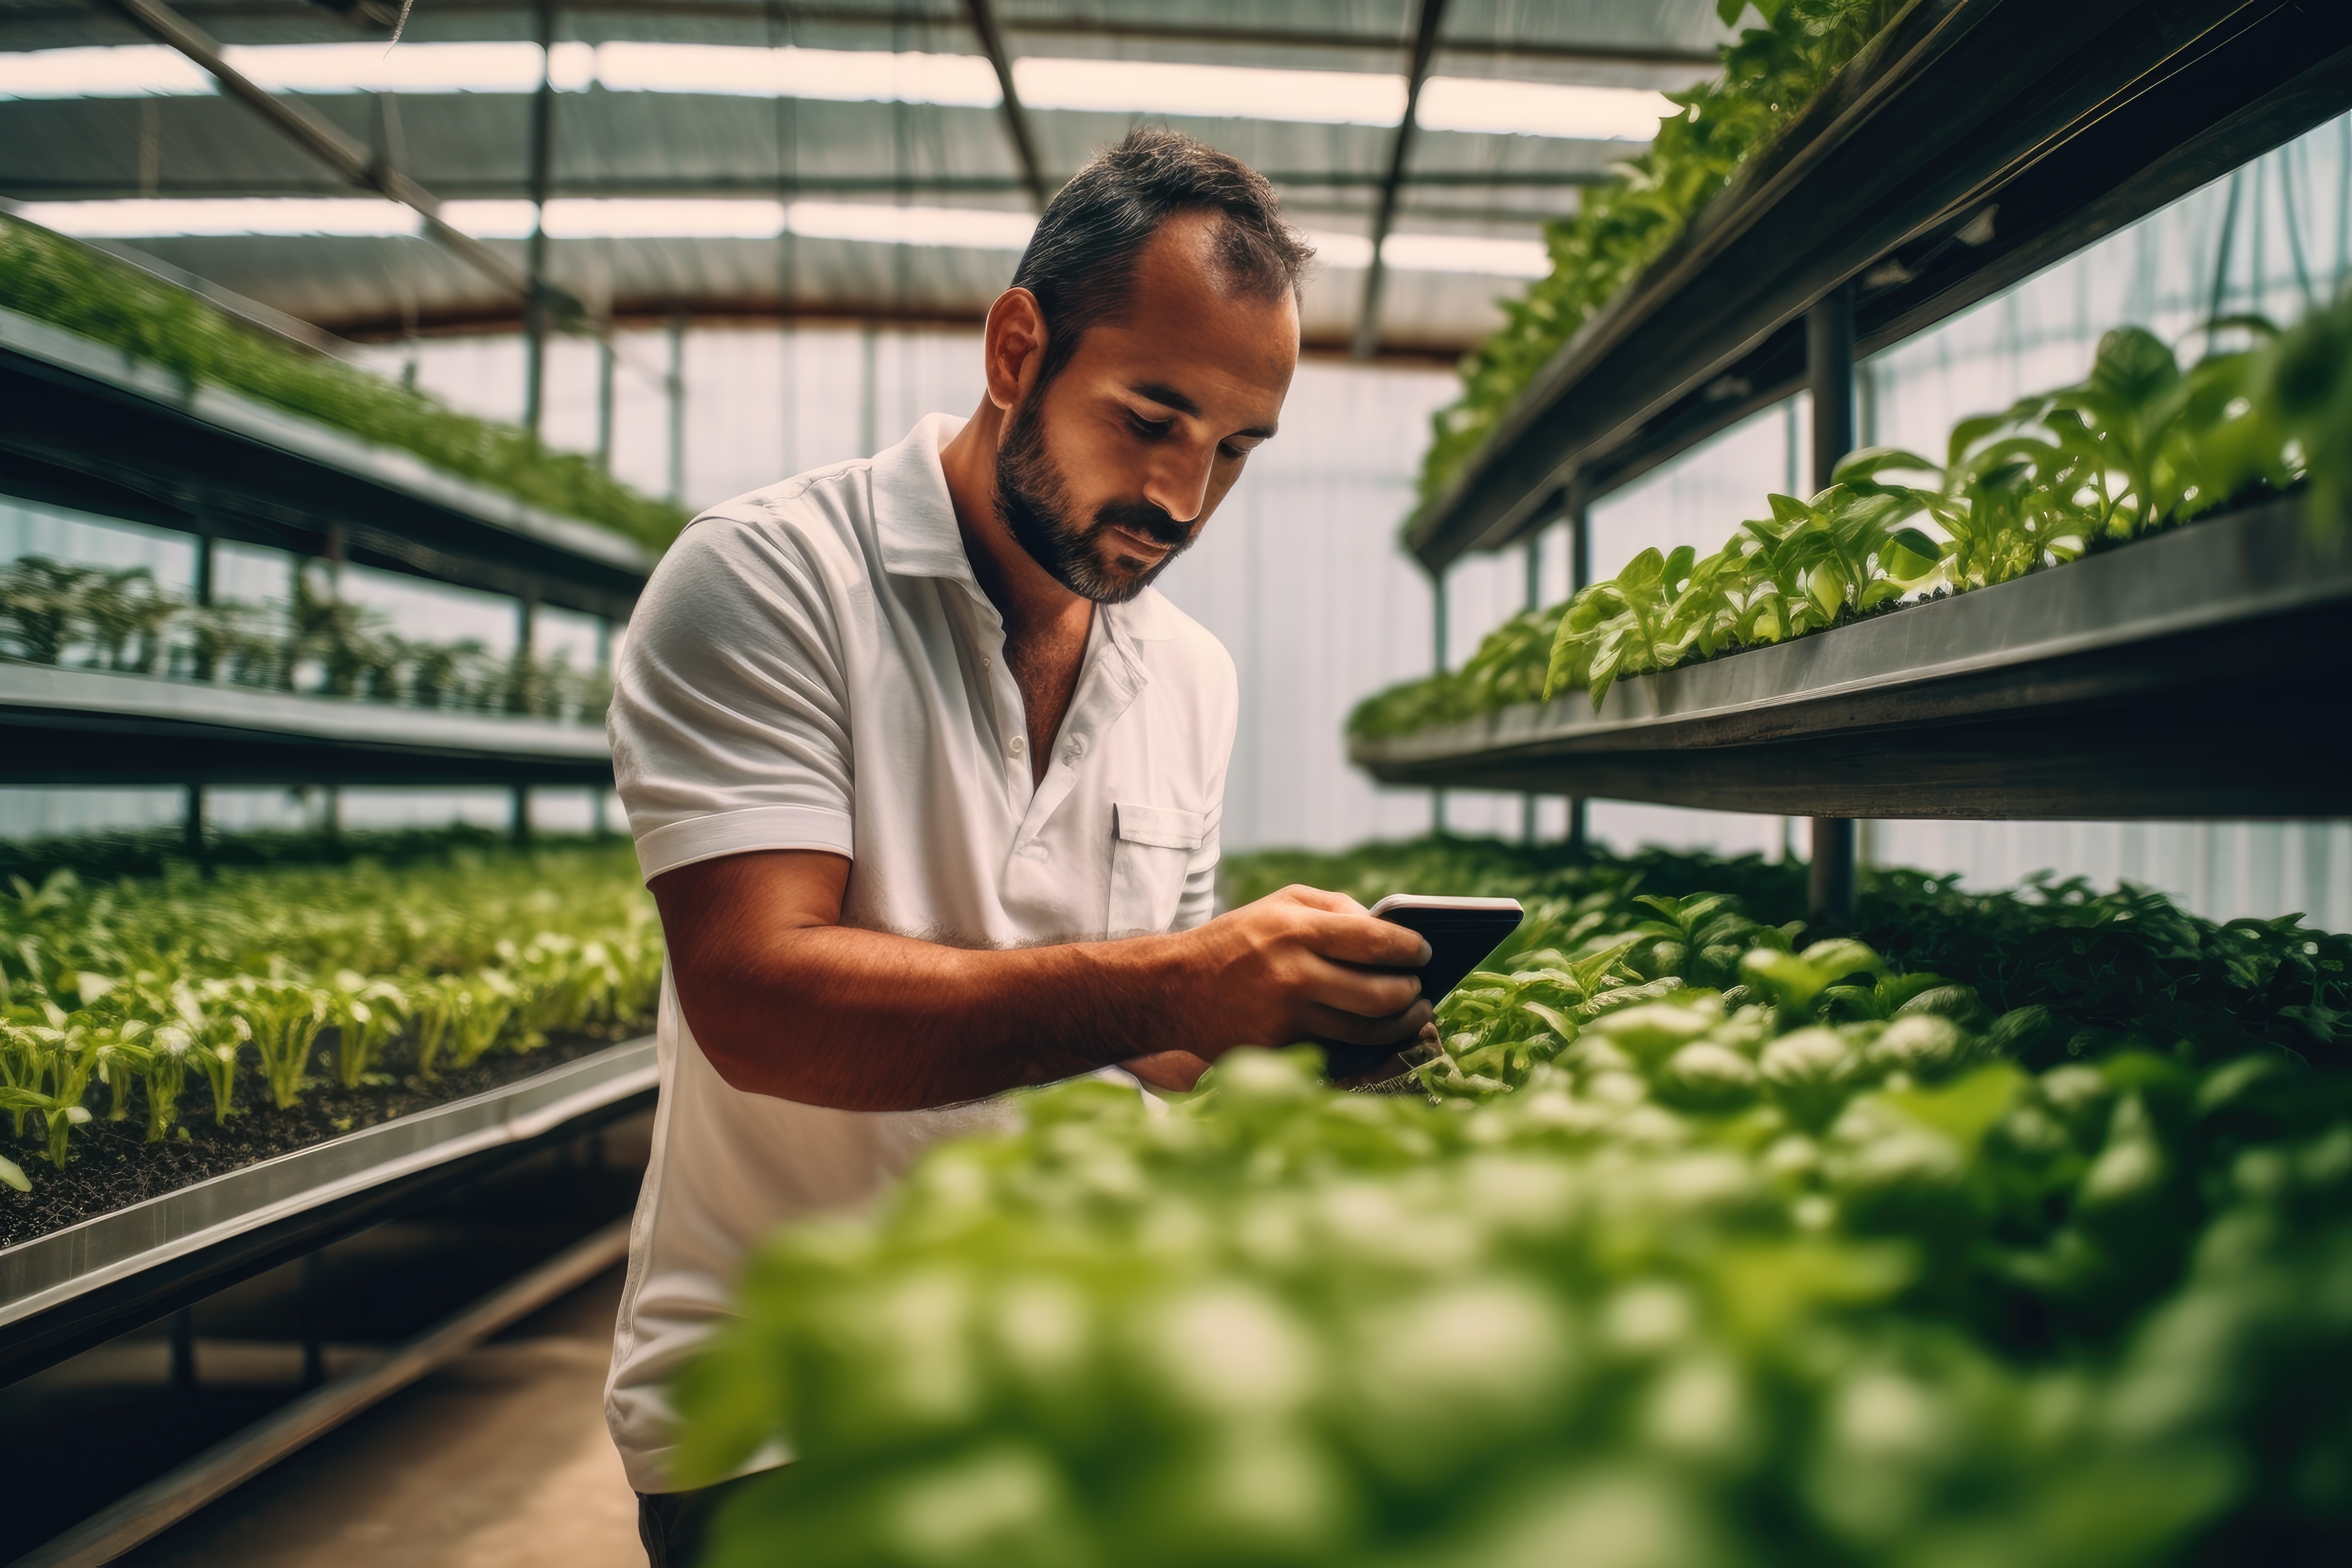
322, 642
2139, 445
49, 277
112, 991
1702, 1243
1621, 224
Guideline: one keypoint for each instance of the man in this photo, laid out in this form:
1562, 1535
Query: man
926, 778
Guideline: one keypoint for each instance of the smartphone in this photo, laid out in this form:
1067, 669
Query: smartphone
1461, 933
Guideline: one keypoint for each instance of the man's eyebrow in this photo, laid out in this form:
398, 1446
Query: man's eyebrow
1169, 397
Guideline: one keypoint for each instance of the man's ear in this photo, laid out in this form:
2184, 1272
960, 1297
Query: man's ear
1015, 347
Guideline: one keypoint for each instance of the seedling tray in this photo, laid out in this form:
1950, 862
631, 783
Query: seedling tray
2189, 675
71, 1288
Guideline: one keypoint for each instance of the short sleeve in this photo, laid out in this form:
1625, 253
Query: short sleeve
729, 721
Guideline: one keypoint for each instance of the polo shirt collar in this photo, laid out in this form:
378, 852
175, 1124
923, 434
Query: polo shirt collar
915, 528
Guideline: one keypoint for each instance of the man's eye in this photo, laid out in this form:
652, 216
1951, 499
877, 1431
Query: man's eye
1235, 452
1152, 428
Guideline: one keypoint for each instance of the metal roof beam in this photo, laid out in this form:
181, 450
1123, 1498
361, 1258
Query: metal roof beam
1016, 118
327, 142
1424, 47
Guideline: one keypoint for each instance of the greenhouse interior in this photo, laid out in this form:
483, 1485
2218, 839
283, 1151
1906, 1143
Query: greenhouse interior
1714, 925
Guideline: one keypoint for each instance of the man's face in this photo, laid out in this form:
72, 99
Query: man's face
1105, 474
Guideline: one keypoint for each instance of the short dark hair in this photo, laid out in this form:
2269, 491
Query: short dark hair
1081, 260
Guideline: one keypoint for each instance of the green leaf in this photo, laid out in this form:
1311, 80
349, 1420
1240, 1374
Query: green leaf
12, 1174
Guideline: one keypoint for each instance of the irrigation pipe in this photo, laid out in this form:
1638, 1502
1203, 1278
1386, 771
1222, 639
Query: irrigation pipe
171, 1497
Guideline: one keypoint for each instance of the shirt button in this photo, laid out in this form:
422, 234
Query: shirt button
1077, 747
1018, 746
986, 663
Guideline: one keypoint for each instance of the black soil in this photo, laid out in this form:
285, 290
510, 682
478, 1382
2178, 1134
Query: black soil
112, 1164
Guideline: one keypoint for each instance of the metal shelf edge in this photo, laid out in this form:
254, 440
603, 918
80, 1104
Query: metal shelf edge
119, 695
392, 467
42, 1273
2261, 561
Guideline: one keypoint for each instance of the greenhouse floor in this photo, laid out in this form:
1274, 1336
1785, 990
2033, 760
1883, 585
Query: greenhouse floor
499, 1457
499, 1460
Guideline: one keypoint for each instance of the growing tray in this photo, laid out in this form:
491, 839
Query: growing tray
63, 1290
1973, 143
64, 726
85, 424
2194, 674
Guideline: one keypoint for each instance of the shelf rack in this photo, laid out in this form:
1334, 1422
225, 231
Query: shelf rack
86, 426
1973, 143
2142, 682
93, 726
62, 1293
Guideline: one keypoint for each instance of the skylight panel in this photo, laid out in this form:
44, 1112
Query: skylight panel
1230, 92
971, 228
1542, 109
372, 67
168, 216
1467, 253
874, 76
126, 70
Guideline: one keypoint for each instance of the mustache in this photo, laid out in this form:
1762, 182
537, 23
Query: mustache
1143, 518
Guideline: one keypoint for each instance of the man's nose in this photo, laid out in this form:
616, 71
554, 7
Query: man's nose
1178, 483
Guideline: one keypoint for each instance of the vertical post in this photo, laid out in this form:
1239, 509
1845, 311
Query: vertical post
1528, 827
314, 1315
674, 384
191, 823
1577, 511
1437, 666
184, 1351
535, 311
869, 410
201, 663
604, 403
519, 700
1829, 364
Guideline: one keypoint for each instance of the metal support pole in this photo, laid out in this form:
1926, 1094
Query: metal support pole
184, 1351
605, 405
1578, 516
191, 823
1527, 801
537, 311
1437, 666
1829, 363
674, 384
314, 1313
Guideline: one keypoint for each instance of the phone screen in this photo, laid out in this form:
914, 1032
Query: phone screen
1461, 933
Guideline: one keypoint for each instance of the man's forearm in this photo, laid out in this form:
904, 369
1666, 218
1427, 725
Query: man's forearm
862, 1021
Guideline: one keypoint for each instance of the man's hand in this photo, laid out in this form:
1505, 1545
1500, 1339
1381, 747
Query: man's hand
785, 1000
1302, 964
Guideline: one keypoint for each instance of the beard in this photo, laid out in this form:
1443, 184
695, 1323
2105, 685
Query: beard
1032, 498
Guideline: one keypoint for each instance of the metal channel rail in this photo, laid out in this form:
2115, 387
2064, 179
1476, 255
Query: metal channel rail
85, 424
62, 1293
63, 725
2169, 677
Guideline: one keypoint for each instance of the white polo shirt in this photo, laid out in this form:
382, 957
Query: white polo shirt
814, 666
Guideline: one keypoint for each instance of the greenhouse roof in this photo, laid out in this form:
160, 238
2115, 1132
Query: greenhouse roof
733, 158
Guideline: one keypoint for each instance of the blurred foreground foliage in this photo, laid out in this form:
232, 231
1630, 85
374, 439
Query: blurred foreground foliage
1704, 1239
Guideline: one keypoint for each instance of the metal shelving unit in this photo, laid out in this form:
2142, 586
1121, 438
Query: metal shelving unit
1970, 145
2142, 682
62, 1293
93, 726
1973, 143
89, 427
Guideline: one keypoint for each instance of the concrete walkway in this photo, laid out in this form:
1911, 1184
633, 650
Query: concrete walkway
499, 1460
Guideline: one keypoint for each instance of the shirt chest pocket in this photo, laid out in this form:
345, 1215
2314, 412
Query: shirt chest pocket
1146, 865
